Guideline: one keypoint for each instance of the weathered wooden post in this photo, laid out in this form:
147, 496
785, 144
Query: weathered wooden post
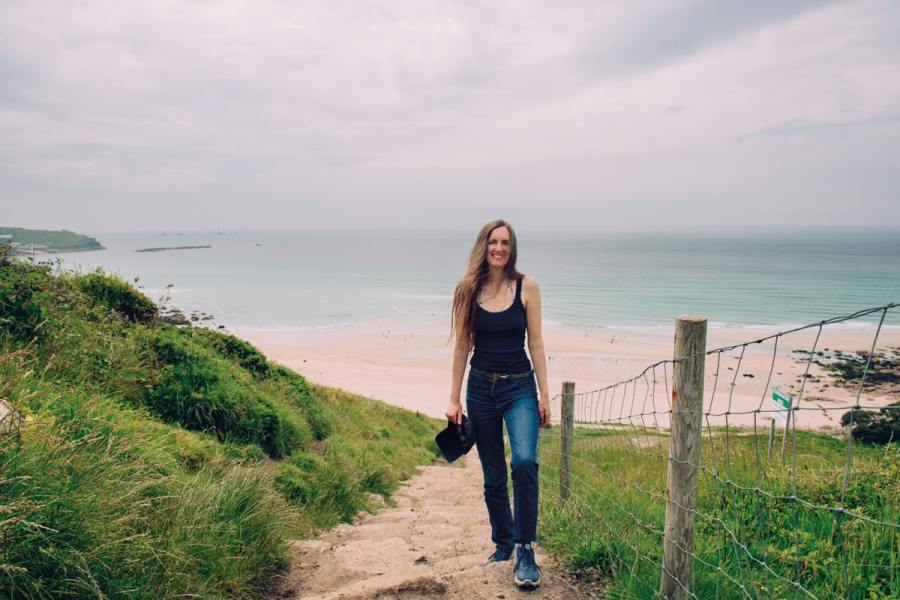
684, 456
787, 426
567, 430
771, 438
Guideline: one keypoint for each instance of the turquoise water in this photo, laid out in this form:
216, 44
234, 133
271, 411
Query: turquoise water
315, 279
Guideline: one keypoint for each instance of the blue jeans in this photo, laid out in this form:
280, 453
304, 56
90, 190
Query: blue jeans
490, 403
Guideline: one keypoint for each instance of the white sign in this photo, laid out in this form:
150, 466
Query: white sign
781, 404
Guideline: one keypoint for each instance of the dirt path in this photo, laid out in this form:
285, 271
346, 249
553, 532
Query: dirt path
430, 545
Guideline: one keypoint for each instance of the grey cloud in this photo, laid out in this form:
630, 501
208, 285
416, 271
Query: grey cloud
660, 32
386, 110
800, 126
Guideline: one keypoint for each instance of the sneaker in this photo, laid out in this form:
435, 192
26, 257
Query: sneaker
527, 573
499, 555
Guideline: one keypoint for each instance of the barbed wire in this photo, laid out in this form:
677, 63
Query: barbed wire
749, 509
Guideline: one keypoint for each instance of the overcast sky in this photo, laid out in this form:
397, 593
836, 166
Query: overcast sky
132, 115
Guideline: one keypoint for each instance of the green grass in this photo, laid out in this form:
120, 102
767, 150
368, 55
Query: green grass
55, 241
156, 462
612, 526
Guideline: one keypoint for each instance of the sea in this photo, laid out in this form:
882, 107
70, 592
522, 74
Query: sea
322, 279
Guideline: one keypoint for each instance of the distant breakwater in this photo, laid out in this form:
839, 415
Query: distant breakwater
164, 248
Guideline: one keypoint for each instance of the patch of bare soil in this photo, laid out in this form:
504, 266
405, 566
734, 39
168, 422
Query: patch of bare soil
431, 544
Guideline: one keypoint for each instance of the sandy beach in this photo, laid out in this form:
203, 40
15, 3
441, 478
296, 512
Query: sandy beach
407, 363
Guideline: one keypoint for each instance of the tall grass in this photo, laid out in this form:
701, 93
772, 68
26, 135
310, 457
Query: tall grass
156, 462
97, 502
748, 529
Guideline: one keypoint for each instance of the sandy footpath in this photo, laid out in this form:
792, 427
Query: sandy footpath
432, 543
407, 363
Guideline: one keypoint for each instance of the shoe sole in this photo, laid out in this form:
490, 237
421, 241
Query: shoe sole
527, 583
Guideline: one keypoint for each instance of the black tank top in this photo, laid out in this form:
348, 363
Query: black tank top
500, 338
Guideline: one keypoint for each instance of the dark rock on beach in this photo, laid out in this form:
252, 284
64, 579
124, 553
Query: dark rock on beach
174, 317
847, 368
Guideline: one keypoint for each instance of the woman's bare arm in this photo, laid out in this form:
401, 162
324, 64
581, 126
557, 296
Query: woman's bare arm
531, 297
461, 350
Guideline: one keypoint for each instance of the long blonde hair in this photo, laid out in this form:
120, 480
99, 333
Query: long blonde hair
465, 297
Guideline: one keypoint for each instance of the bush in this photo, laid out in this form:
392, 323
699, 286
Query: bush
117, 295
875, 427
236, 349
320, 486
6, 254
316, 414
25, 291
204, 392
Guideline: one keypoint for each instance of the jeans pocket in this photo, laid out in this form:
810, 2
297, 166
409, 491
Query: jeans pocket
526, 384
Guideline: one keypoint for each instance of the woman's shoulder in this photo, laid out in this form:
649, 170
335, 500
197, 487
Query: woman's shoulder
529, 283
530, 289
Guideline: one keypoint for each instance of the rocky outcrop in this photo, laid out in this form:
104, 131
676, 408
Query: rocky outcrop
173, 316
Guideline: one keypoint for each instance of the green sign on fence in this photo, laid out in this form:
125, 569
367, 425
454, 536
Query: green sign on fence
781, 404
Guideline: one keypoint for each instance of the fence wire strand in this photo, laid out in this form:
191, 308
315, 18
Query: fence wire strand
764, 526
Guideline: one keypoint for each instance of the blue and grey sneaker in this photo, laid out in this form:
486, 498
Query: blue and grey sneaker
527, 573
499, 555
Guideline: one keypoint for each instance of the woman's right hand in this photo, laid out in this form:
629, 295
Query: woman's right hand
454, 412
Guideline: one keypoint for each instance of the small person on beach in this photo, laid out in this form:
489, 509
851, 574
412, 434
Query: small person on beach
494, 306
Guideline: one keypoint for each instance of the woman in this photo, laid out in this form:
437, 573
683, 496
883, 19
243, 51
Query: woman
493, 307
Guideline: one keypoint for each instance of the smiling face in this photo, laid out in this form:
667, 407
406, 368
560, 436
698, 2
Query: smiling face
498, 247
494, 249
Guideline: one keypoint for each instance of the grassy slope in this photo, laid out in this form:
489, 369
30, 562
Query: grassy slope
157, 462
612, 525
55, 241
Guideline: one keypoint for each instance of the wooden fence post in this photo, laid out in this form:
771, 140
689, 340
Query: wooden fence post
771, 438
684, 456
567, 430
787, 426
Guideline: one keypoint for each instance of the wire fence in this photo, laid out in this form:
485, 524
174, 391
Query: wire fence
788, 488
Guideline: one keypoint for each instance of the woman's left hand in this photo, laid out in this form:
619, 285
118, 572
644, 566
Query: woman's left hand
544, 410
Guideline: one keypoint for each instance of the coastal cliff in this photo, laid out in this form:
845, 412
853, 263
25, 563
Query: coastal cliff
25, 241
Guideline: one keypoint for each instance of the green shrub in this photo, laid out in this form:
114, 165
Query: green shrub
6, 254
25, 291
320, 420
241, 351
875, 427
115, 294
204, 392
320, 486
376, 478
